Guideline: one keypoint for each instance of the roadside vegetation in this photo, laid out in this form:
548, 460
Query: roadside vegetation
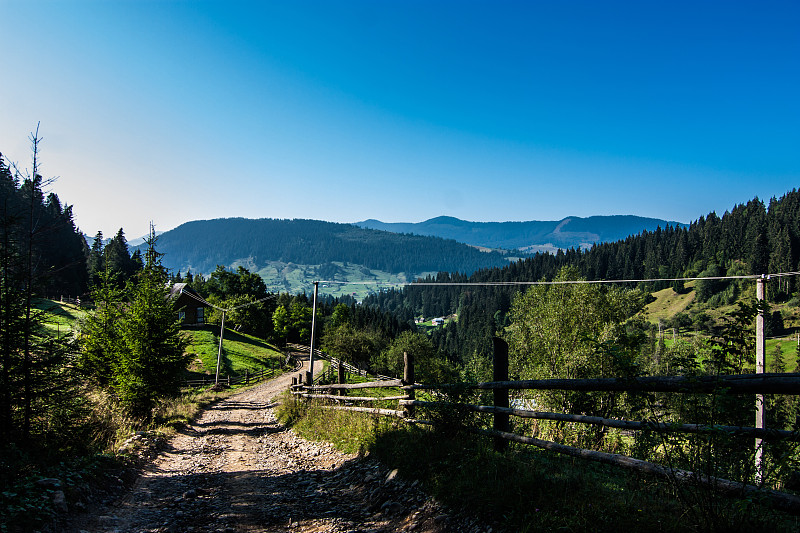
584, 331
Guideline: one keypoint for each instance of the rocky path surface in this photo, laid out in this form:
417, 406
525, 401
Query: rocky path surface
237, 469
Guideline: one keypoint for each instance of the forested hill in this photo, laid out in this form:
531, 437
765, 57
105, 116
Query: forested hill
570, 232
202, 245
751, 238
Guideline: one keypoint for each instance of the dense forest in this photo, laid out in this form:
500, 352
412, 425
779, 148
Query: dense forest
200, 246
37, 222
41, 252
751, 238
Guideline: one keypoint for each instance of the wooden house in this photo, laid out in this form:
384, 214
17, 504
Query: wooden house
189, 305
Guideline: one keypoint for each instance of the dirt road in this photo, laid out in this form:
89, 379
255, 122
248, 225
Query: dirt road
237, 469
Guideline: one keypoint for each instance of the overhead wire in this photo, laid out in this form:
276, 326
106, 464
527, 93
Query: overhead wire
565, 282
500, 284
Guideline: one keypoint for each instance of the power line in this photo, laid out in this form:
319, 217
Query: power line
501, 284
568, 282
218, 308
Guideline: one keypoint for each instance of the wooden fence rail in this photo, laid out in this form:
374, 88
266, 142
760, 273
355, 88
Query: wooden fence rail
733, 384
645, 425
241, 379
788, 384
336, 363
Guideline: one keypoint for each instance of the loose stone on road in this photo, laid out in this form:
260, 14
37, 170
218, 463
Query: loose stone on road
237, 469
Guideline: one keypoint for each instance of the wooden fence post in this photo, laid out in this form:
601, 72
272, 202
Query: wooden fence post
500, 373
246, 376
761, 417
408, 379
340, 377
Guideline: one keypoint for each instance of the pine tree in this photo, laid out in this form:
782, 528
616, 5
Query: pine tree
118, 258
152, 356
777, 364
100, 335
39, 391
95, 263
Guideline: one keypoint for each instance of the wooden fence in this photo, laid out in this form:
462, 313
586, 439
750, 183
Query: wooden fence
245, 378
336, 395
337, 366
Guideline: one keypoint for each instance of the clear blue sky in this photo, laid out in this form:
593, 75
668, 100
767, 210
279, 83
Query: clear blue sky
169, 111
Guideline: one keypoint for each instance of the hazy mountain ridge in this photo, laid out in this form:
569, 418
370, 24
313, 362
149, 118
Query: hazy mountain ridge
203, 244
530, 236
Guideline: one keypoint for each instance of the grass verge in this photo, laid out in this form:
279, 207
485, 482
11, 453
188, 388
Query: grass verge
240, 352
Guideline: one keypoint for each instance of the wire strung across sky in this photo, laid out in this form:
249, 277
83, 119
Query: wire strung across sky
218, 308
566, 282
499, 284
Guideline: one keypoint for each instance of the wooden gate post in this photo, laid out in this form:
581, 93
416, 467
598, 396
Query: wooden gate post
500, 373
408, 379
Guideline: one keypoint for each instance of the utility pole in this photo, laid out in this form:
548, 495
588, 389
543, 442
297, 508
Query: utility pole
760, 349
219, 353
313, 328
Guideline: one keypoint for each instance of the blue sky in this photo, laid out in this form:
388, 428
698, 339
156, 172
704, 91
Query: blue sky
402, 111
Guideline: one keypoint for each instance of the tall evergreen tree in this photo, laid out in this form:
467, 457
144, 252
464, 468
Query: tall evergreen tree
37, 375
777, 363
100, 331
95, 264
151, 356
118, 258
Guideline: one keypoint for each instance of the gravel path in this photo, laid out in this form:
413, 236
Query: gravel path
237, 469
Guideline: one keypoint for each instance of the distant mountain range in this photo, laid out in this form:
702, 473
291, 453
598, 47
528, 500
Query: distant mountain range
532, 236
290, 254
132, 243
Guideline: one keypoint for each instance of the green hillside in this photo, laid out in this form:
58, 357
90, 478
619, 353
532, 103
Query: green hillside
266, 244
337, 278
667, 304
60, 318
240, 352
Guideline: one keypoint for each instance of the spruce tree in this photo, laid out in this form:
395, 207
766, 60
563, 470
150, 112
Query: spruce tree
100, 335
777, 364
95, 263
151, 357
118, 258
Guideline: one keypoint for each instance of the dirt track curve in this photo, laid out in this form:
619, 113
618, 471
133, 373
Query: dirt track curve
237, 469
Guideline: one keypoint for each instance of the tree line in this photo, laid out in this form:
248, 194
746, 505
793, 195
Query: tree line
128, 349
41, 252
752, 238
